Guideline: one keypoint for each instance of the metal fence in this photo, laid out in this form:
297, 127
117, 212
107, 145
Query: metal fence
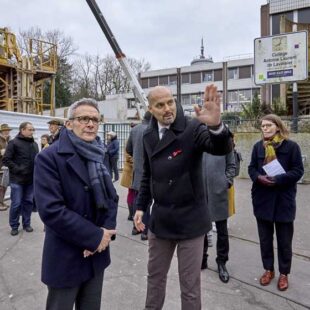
122, 130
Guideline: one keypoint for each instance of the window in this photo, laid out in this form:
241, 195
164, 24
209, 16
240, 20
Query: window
218, 75
207, 76
131, 104
276, 21
185, 78
232, 73
245, 72
145, 83
195, 77
172, 80
153, 81
245, 96
233, 96
163, 80
304, 16
196, 99
185, 100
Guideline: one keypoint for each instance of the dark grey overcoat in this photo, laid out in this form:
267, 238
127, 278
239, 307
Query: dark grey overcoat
218, 172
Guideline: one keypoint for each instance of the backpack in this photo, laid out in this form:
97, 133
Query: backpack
238, 159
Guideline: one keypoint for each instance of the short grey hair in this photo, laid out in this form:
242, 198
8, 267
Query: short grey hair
84, 101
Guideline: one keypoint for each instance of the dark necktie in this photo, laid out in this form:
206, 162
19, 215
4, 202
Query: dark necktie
163, 131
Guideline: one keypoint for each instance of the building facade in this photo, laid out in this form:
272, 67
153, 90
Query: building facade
279, 16
234, 79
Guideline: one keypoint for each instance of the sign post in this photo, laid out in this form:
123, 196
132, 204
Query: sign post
282, 58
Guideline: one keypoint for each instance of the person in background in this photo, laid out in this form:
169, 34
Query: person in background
4, 173
54, 126
219, 173
19, 158
172, 178
77, 203
126, 181
274, 195
113, 151
134, 147
44, 142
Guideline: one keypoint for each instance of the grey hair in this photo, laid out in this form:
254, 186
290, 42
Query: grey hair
84, 101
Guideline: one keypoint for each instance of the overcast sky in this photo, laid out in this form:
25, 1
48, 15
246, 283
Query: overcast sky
167, 33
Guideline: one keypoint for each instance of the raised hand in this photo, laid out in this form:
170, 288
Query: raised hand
210, 112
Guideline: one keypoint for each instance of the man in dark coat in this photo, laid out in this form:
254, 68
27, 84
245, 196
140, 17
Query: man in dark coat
54, 126
113, 152
172, 177
19, 158
77, 202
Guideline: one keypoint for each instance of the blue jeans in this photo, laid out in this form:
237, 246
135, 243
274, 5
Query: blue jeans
21, 204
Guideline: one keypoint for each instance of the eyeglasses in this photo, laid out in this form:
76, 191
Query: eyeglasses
86, 119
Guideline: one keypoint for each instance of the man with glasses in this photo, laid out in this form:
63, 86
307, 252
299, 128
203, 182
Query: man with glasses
19, 158
77, 202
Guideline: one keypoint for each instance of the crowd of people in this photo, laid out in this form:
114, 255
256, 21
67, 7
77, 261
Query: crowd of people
179, 172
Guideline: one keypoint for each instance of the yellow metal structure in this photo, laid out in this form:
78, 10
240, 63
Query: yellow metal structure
22, 77
303, 87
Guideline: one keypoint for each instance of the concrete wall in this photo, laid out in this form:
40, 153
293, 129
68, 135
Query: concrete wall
246, 140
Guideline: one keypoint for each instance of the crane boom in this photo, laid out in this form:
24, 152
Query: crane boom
120, 56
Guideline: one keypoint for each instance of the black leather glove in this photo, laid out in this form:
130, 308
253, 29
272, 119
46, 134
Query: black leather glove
265, 180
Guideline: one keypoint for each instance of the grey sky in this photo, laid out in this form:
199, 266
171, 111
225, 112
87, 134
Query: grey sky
166, 33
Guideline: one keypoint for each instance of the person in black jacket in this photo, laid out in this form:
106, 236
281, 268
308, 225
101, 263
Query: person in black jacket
274, 195
113, 152
172, 178
19, 158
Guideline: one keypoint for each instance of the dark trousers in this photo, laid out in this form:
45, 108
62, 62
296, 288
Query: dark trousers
222, 242
86, 296
21, 204
189, 253
113, 168
284, 232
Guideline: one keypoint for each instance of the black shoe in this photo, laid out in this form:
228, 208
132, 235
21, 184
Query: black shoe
28, 229
144, 237
204, 264
223, 273
135, 231
14, 232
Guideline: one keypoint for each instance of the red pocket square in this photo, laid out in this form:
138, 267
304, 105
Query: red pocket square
176, 153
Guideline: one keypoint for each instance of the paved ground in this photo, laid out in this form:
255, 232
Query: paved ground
125, 279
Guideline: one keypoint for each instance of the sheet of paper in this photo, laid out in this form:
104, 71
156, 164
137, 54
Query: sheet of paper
273, 168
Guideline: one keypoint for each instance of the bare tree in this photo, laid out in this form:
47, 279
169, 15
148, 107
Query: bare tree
100, 77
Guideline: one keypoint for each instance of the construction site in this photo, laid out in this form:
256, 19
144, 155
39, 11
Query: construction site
24, 76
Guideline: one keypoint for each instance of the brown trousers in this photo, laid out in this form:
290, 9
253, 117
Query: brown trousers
189, 254
2, 194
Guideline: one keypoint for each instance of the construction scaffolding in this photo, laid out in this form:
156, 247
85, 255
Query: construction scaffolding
22, 78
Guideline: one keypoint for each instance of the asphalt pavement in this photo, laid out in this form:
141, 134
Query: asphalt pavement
125, 280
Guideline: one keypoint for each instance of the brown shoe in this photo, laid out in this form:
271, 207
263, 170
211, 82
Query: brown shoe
266, 277
283, 282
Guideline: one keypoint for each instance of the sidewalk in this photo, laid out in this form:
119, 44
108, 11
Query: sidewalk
125, 280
